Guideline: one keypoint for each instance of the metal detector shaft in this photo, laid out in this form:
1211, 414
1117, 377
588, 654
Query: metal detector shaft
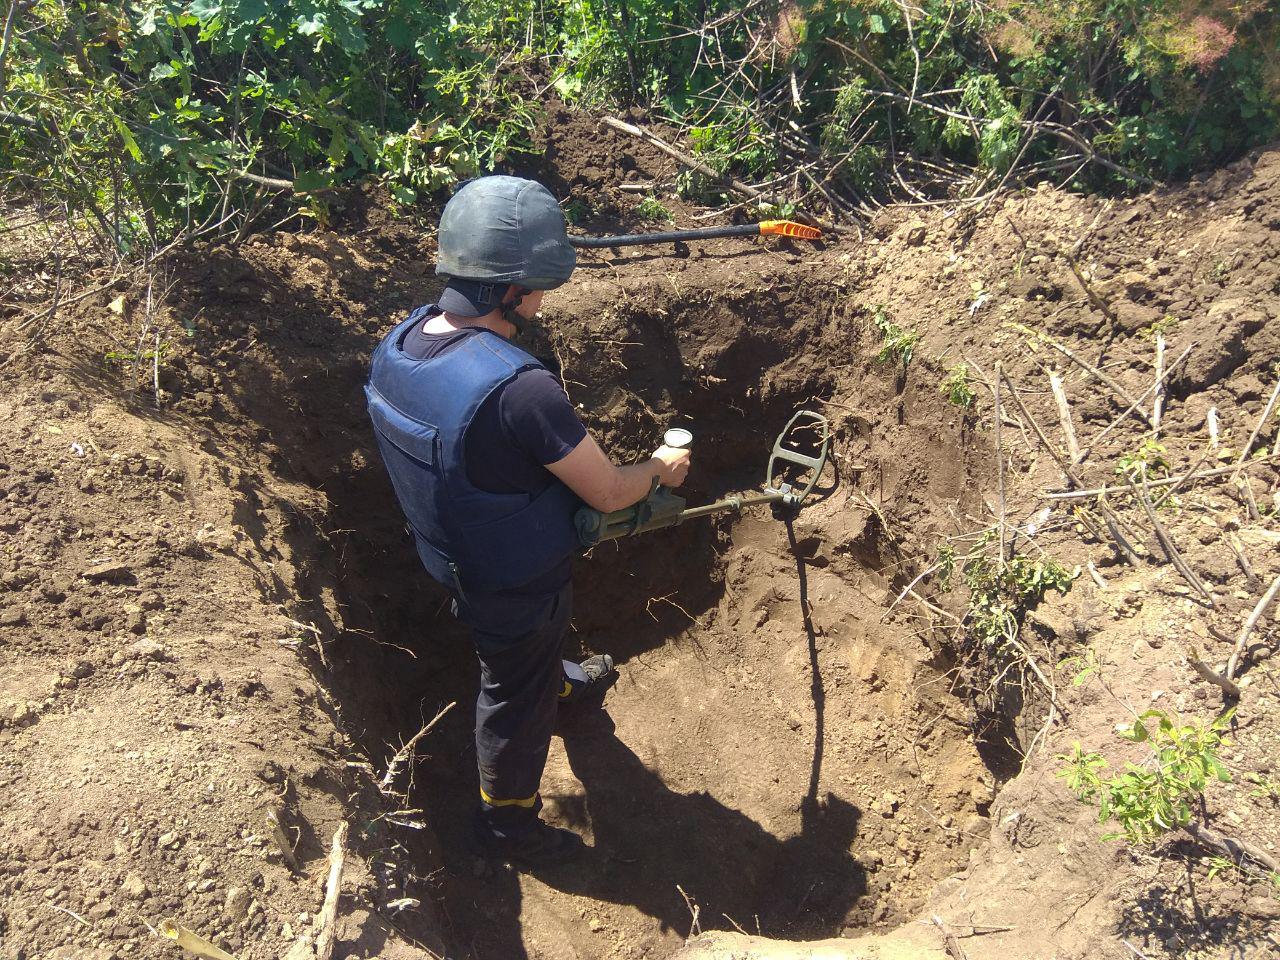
736, 504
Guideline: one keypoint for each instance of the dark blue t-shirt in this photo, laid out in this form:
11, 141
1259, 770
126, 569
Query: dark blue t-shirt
524, 425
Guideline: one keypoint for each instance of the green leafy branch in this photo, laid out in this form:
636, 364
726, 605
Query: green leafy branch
1148, 800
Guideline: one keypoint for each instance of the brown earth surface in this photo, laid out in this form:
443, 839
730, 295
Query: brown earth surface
211, 613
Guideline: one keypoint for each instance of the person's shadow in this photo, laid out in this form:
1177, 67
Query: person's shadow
663, 852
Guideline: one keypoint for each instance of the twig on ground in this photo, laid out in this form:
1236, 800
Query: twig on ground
1162, 482
693, 163
73, 915
1167, 545
1089, 368
908, 589
695, 927
1245, 486
1157, 404
1232, 847
1064, 415
1262, 422
1000, 464
1211, 419
1040, 675
155, 367
405, 753
282, 841
1172, 491
1097, 577
1242, 559
1097, 301
1234, 663
954, 950
1168, 372
1206, 672
328, 919
1108, 515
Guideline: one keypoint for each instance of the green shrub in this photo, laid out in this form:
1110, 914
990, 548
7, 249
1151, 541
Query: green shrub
153, 115
1150, 799
957, 386
897, 345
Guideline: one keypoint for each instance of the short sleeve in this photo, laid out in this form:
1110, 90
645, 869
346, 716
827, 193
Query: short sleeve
538, 417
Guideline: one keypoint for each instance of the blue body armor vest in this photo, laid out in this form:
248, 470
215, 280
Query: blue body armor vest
469, 539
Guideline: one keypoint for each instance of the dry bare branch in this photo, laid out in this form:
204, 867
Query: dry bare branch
328, 919
1234, 663
1262, 421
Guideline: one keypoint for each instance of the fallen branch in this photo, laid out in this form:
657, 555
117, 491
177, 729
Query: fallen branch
1097, 577
1157, 405
694, 164
328, 919
1089, 292
1155, 387
1108, 515
1245, 487
952, 945
282, 841
1231, 847
1163, 482
1169, 548
1258, 611
1000, 464
1262, 421
1206, 672
1097, 374
1242, 560
405, 753
1064, 415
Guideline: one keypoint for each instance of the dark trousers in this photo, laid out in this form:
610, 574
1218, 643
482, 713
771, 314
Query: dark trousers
518, 643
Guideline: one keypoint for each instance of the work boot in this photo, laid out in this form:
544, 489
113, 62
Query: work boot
586, 683
543, 846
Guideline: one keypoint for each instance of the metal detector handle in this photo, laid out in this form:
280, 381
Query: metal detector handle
816, 464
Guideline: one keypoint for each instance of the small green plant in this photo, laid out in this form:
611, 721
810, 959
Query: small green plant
1264, 787
1218, 272
124, 356
897, 344
1082, 667
957, 387
653, 210
576, 210
1148, 458
1000, 593
1164, 325
1150, 799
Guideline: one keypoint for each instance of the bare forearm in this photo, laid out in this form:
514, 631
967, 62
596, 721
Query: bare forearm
633, 482
604, 485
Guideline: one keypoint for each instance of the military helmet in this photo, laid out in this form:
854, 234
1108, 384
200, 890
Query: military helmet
501, 229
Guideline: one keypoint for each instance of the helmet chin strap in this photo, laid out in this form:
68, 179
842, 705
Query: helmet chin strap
509, 311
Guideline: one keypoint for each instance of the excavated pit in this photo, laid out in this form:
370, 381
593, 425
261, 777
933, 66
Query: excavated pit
774, 755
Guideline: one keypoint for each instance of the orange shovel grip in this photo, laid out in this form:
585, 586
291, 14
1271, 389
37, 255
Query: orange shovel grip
788, 228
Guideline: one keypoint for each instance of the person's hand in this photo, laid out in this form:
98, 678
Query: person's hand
673, 462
